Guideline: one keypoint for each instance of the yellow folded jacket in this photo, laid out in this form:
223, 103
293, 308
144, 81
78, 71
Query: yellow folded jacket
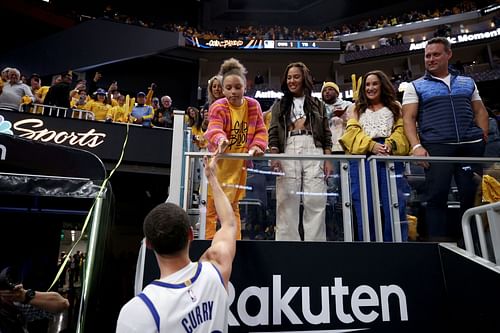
356, 142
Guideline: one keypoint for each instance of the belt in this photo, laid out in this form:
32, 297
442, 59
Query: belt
299, 132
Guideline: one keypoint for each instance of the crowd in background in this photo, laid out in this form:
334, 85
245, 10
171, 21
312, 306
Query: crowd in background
276, 32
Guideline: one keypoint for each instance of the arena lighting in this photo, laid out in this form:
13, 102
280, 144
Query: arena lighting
490, 9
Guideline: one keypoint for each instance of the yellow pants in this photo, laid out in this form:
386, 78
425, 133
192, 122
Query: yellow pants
211, 218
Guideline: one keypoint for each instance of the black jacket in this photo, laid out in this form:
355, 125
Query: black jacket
316, 122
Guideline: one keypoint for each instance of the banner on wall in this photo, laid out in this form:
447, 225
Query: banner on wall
145, 145
330, 287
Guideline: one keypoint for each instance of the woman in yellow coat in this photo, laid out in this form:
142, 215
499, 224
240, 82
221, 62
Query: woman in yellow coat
375, 127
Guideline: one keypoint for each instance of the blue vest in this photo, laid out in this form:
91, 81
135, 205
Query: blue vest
445, 114
141, 111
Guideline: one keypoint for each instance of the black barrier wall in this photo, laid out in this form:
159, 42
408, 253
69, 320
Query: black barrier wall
332, 287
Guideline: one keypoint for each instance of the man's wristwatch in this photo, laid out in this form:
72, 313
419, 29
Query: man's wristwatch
29, 295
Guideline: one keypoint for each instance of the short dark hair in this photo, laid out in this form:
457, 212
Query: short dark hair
166, 227
440, 40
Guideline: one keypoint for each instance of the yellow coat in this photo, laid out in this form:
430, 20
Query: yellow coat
356, 142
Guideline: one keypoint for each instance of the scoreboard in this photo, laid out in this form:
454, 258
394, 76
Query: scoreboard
305, 44
266, 44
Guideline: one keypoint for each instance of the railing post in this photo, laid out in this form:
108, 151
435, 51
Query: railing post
363, 200
481, 235
174, 190
377, 217
202, 206
390, 171
346, 201
493, 212
494, 223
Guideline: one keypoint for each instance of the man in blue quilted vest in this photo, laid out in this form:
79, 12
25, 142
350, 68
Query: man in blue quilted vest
444, 116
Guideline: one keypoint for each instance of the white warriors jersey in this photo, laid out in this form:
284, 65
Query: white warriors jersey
192, 300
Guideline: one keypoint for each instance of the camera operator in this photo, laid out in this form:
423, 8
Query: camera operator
19, 306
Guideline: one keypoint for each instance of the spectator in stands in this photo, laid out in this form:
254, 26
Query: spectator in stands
142, 113
94, 84
59, 93
214, 89
5, 74
113, 93
199, 128
235, 126
76, 94
99, 105
336, 109
79, 99
164, 116
118, 113
336, 112
461, 133
375, 127
190, 117
155, 104
35, 86
299, 126
39, 91
14, 91
492, 148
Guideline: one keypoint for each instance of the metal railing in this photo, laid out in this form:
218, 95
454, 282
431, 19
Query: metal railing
57, 111
183, 171
391, 179
344, 177
492, 211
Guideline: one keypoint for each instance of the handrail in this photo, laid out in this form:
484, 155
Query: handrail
266, 156
492, 210
443, 159
57, 111
396, 230
345, 188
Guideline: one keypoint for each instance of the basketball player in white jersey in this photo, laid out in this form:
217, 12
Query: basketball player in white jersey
189, 296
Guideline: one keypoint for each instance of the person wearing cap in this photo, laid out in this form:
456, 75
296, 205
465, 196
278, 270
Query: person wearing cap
14, 91
98, 105
142, 113
335, 110
337, 118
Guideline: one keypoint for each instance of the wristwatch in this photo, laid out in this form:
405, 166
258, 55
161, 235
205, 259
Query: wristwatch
29, 295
